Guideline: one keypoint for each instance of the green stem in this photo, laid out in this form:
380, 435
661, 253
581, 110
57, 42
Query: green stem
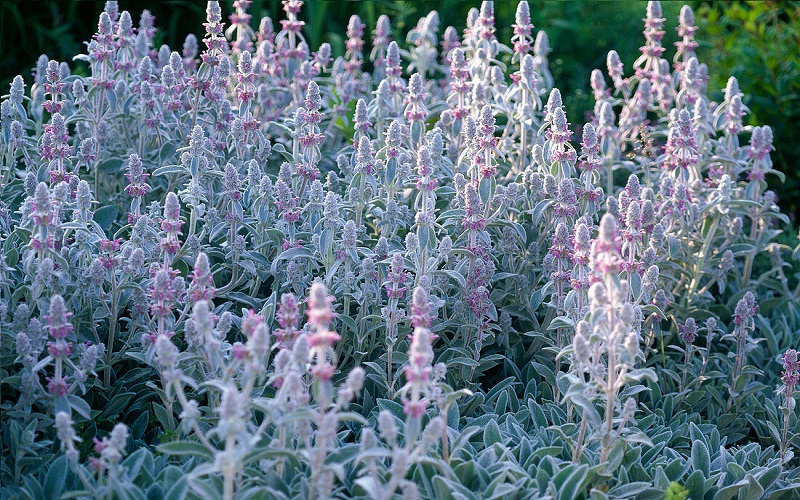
112, 329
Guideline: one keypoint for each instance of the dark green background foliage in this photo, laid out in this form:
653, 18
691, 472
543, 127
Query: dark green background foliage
759, 43
755, 41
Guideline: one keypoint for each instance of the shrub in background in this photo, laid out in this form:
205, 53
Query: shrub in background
756, 41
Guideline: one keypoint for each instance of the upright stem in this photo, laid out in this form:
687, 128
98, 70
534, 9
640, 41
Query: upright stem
686, 366
193, 222
754, 235
112, 330
389, 380
321, 445
168, 406
737, 369
611, 380
229, 472
576, 456
445, 440
705, 363
610, 398
523, 141
282, 440
784, 444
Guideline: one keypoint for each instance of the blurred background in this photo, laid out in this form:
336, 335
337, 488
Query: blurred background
758, 42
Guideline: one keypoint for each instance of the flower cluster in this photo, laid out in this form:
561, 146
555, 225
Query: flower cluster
791, 371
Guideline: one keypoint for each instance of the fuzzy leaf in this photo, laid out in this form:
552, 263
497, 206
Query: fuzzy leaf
186, 448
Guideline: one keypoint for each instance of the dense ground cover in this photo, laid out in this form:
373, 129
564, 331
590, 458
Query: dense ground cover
248, 269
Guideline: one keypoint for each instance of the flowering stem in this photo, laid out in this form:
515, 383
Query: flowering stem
192, 222
703, 367
321, 446
748, 261
611, 382
229, 472
785, 430
686, 360
610, 397
737, 369
389, 381
112, 329
445, 440
523, 138
576, 455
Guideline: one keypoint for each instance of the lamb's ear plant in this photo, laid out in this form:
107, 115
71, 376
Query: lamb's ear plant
606, 351
789, 379
251, 268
